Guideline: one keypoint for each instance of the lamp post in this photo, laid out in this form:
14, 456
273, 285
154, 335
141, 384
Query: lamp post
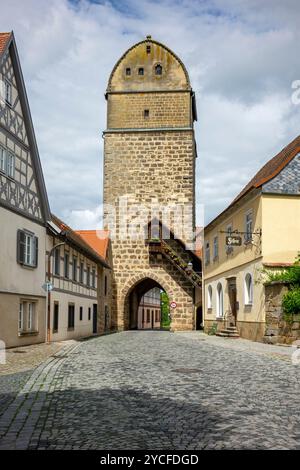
48, 290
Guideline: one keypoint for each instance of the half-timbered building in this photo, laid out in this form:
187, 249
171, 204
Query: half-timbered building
24, 209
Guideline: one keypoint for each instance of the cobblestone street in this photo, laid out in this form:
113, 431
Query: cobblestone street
157, 390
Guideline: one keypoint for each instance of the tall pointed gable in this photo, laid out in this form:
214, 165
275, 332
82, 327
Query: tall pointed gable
22, 186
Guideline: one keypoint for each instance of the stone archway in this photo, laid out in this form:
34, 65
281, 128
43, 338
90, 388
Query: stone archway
138, 284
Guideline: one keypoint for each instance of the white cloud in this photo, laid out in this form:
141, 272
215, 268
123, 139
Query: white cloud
242, 57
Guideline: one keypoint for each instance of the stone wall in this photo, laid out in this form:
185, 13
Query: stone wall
154, 166
251, 330
165, 110
277, 329
148, 167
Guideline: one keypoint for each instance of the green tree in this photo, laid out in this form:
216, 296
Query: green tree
165, 310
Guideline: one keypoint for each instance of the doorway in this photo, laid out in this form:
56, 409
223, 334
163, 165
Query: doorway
199, 318
148, 306
232, 291
95, 317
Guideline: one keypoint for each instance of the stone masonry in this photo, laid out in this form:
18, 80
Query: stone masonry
277, 329
149, 157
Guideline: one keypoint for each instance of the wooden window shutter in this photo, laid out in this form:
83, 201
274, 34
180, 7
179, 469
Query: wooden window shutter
36, 246
20, 247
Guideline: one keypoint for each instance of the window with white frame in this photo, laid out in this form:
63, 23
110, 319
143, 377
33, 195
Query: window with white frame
74, 268
8, 91
31, 316
2, 159
216, 247
248, 289
209, 297
94, 278
27, 317
81, 273
7, 162
66, 265
56, 262
21, 317
27, 248
248, 226
10, 165
220, 301
207, 253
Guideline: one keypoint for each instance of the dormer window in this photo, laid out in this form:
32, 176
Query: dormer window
158, 69
141, 71
148, 49
128, 71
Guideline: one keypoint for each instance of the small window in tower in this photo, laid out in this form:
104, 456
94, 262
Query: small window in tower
146, 113
158, 69
128, 71
148, 49
141, 71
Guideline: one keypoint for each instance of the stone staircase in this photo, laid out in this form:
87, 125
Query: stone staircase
228, 332
160, 246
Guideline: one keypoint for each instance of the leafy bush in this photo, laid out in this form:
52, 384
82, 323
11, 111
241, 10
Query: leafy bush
291, 303
291, 275
213, 329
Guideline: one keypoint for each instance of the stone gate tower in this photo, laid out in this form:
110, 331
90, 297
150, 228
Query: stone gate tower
149, 159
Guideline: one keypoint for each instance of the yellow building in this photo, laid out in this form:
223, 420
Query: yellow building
265, 220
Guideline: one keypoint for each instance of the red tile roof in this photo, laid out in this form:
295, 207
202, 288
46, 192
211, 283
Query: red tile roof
74, 237
271, 169
4, 38
97, 239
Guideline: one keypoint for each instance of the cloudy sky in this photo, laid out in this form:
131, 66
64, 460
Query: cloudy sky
242, 56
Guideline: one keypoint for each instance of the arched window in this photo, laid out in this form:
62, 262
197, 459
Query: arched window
248, 289
220, 301
158, 69
209, 297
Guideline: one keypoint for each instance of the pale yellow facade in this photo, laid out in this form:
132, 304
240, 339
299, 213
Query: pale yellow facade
275, 241
281, 231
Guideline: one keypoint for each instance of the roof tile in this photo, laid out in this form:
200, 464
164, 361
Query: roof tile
4, 37
97, 239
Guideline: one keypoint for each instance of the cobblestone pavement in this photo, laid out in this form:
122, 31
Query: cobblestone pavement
160, 391
20, 363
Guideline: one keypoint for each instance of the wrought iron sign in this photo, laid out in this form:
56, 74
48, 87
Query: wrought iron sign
233, 240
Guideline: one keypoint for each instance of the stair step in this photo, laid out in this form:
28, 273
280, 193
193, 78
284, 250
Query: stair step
228, 335
230, 332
